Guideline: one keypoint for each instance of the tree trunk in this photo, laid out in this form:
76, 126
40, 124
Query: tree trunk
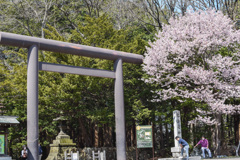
213, 138
161, 139
238, 132
107, 136
86, 137
236, 129
96, 138
80, 135
153, 137
167, 135
222, 133
228, 133
218, 134
129, 128
191, 134
100, 136
133, 135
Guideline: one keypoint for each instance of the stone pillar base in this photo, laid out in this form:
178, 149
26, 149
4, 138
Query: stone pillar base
176, 152
190, 158
5, 157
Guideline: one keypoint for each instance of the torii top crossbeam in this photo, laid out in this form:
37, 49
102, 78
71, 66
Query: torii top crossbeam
68, 48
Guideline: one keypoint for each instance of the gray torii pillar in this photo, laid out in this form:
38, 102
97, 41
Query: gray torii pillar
32, 103
119, 111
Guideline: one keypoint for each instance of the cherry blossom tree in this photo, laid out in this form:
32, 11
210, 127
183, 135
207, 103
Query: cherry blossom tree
196, 57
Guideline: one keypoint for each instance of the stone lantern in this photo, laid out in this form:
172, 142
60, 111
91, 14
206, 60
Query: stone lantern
62, 143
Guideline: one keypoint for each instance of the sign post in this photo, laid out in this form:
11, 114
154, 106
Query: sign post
2, 144
144, 137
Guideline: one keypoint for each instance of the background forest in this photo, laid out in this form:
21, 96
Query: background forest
88, 102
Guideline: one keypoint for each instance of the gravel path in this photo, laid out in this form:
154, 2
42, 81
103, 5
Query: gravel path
223, 159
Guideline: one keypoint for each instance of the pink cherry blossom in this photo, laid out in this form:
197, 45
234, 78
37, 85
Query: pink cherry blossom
187, 53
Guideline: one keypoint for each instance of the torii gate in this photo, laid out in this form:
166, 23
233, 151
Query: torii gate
34, 44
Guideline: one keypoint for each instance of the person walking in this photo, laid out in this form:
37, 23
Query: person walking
184, 145
24, 153
204, 146
40, 151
